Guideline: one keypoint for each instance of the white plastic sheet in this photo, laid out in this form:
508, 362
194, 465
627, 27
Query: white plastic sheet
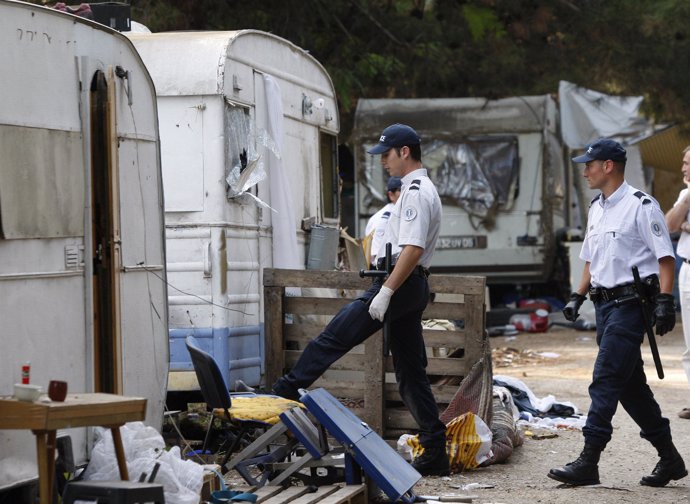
285, 249
587, 115
144, 447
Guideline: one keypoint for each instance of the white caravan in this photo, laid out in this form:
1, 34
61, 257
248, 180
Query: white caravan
82, 277
248, 121
499, 168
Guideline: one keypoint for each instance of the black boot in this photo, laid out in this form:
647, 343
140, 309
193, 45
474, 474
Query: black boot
670, 465
582, 471
433, 462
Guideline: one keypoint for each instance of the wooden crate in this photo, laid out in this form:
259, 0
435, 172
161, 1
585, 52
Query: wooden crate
291, 321
332, 494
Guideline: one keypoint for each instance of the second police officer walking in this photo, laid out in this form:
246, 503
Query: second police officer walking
413, 229
376, 225
625, 228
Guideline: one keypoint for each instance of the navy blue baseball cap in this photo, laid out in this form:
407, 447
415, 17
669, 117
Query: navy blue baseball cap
601, 150
394, 183
395, 135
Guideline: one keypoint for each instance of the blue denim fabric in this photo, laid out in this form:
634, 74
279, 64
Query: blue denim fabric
619, 376
352, 325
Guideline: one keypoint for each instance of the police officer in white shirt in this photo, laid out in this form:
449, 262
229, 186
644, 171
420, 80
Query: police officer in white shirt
625, 228
677, 220
412, 230
378, 222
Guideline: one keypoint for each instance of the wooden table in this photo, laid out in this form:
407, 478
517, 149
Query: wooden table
78, 410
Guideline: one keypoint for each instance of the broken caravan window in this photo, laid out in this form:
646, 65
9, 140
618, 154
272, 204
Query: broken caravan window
240, 147
478, 174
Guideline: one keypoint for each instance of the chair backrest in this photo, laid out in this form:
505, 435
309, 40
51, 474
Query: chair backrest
211, 381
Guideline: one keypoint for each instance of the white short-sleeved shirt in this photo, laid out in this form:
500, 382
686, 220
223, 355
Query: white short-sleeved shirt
416, 217
627, 229
377, 224
683, 249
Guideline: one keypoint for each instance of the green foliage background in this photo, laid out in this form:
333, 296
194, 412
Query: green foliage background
453, 48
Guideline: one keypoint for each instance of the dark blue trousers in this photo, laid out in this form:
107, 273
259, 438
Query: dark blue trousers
619, 376
352, 325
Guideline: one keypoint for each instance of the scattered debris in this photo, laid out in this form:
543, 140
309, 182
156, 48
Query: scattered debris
472, 486
507, 356
541, 435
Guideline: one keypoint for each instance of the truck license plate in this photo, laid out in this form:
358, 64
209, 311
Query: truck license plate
461, 242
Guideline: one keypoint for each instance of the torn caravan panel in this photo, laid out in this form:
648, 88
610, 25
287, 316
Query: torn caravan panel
499, 168
248, 125
82, 251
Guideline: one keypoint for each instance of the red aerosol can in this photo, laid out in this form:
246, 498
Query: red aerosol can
26, 373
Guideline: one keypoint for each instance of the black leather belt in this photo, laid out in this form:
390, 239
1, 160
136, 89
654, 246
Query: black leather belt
601, 294
418, 270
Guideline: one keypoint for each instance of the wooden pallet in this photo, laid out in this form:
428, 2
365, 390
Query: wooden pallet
364, 375
332, 494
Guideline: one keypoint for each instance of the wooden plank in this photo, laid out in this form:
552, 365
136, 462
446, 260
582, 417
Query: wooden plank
320, 494
444, 339
457, 284
311, 278
475, 326
273, 329
264, 493
346, 362
448, 366
348, 389
351, 494
77, 410
305, 331
443, 393
442, 366
399, 418
449, 311
451, 284
314, 306
374, 380
287, 495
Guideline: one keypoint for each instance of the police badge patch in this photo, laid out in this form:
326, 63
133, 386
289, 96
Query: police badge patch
656, 228
410, 213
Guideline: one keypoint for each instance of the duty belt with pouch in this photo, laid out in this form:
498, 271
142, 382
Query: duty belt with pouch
651, 289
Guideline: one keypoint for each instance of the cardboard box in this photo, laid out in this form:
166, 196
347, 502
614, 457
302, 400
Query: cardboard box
210, 483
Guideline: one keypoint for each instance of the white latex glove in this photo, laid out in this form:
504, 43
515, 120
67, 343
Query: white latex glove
379, 305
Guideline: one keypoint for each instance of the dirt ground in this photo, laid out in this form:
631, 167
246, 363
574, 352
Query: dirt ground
522, 479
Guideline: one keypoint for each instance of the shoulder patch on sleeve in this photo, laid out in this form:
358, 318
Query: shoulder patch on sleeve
594, 199
386, 215
410, 213
643, 197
